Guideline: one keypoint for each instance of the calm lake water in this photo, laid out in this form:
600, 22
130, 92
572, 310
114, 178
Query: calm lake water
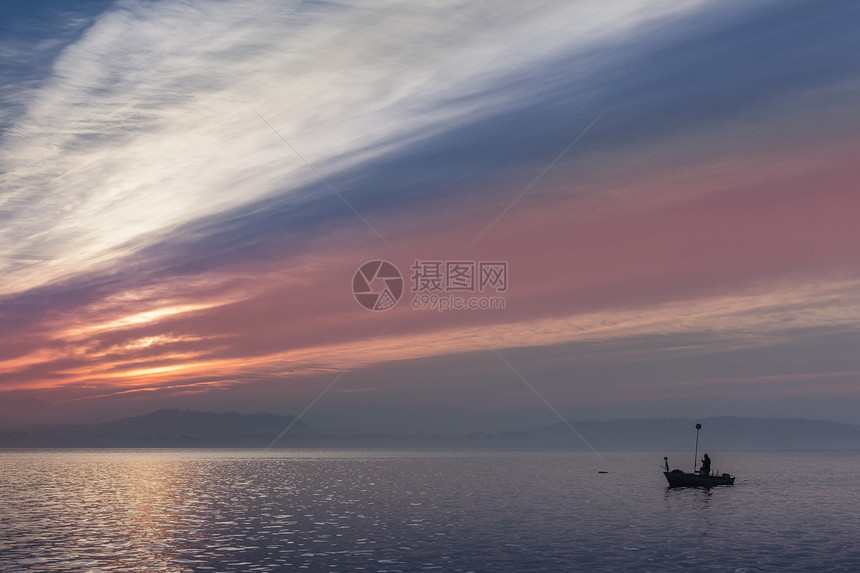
247, 510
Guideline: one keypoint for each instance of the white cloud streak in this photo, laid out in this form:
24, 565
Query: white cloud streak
148, 121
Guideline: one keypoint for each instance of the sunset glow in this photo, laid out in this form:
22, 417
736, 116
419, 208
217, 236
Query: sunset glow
183, 213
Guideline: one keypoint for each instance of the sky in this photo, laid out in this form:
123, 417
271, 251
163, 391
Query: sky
188, 189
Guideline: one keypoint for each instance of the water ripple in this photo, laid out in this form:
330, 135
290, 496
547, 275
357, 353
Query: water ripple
198, 510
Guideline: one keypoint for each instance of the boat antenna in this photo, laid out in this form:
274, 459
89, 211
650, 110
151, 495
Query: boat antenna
696, 455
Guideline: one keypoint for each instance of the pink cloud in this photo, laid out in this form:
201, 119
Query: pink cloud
566, 256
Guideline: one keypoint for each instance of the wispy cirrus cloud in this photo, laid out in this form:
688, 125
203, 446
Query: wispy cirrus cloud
158, 237
148, 122
183, 347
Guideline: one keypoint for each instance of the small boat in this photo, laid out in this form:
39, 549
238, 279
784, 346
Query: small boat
678, 478
702, 478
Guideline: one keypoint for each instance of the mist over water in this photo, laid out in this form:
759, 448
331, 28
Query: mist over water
246, 510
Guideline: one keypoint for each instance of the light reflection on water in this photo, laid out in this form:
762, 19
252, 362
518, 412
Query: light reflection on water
223, 510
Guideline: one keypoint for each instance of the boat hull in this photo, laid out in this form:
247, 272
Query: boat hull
677, 478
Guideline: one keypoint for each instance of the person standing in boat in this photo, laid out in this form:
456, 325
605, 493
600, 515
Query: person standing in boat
706, 466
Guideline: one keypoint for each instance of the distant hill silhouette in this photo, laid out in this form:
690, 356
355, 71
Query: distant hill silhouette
717, 433
163, 428
190, 428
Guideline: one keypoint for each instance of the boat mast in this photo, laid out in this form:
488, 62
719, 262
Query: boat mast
696, 455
